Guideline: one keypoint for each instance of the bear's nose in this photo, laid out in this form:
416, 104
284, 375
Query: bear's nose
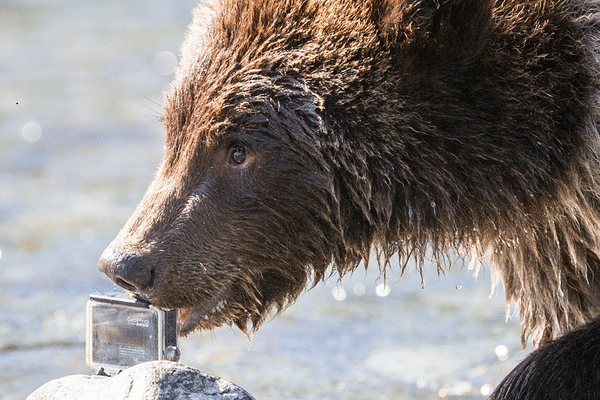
129, 272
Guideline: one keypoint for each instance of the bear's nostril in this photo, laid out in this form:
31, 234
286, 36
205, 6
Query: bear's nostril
129, 272
124, 284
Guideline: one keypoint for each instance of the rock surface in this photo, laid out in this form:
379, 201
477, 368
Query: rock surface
160, 380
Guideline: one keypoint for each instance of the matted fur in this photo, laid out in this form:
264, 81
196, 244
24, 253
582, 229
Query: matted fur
412, 127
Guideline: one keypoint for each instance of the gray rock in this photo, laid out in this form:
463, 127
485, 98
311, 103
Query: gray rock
156, 380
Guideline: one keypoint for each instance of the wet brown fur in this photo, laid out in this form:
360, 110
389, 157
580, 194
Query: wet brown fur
421, 128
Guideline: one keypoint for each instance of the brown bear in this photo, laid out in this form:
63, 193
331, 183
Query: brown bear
303, 134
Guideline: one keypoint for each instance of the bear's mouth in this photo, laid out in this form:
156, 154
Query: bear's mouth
200, 317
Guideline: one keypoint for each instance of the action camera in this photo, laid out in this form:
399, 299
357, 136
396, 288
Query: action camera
123, 331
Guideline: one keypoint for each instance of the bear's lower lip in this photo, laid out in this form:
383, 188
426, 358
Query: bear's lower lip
192, 318
188, 320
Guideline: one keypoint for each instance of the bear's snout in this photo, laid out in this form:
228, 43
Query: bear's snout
130, 272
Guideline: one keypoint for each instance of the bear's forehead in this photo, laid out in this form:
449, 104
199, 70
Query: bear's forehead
227, 35
226, 75
196, 113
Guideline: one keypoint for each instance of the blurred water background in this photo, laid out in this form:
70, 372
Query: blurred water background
81, 86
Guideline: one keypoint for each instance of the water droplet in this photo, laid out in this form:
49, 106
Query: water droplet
501, 352
165, 63
31, 132
486, 389
339, 293
359, 289
382, 290
458, 287
422, 383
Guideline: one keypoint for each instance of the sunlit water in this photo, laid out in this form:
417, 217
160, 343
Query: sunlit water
81, 87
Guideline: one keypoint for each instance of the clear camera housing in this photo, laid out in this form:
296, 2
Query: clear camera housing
123, 331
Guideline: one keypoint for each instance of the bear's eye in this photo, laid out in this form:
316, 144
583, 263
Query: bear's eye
237, 155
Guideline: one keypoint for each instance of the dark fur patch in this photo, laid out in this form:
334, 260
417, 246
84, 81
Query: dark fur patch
567, 368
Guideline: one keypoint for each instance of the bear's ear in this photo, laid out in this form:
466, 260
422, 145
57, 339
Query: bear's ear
435, 31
